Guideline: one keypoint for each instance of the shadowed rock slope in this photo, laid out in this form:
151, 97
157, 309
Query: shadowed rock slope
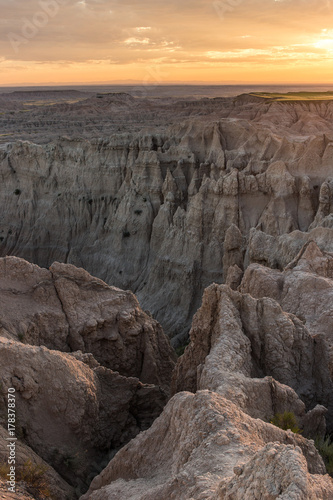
66, 309
89, 367
303, 288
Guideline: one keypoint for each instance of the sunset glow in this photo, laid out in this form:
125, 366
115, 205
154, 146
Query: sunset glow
105, 41
325, 44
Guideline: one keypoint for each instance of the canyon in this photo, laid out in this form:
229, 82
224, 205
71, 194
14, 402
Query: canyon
149, 210
217, 214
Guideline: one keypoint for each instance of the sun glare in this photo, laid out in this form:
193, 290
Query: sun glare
327, 44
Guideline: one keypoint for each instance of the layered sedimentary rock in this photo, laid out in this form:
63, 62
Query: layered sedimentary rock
70, 414
303, 288
277, 252
151, 210
276, 471
192, 192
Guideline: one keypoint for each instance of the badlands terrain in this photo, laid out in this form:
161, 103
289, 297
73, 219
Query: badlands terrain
132, 224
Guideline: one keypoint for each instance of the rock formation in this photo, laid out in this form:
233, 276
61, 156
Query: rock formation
165, 197
150, 207
303, 288
73, 415
278, 252
203, 446
247, 361
66, 309
20, 492
252, 352
276, 471
29, 463
76, 407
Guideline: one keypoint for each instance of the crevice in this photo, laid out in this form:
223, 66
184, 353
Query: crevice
68, 338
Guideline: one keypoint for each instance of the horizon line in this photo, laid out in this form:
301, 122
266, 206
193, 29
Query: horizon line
127, 83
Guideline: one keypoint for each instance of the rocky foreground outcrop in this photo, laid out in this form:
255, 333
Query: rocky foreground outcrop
28, 463
66, 309
247, 361
253, 353
204, 447
89, 367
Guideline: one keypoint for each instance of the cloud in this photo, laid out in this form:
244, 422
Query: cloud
128, 32
137, 41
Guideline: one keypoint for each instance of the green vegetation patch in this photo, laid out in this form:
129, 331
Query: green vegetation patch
325, 448
295, 96
285, 421
181, 349
33, 475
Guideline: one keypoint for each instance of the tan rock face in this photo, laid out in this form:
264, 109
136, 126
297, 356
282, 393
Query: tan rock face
30, 308
69, 413
203, 446
247, 361
74, 408
276, 471
234, 277
65, 308
233, 249
245, 349
278, 252
303, 288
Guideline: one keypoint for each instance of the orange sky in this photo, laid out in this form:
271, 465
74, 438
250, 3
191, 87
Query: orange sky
155, 42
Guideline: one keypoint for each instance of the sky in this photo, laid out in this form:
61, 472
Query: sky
171, 41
